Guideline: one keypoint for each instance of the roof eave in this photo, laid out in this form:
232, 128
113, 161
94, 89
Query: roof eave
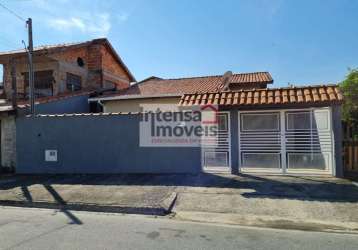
131, 97
118, 58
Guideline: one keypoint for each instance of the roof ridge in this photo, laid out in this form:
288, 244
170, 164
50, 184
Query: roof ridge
46, 46
247, 73
191, 77
50, 46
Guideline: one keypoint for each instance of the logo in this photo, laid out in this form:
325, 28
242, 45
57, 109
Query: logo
211, 110
177, 127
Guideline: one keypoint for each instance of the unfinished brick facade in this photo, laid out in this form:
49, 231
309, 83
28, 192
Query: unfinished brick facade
95, 63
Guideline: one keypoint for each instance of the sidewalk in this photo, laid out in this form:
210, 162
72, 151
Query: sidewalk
306, 203
101, 193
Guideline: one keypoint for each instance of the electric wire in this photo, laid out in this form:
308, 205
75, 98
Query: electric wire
12, 12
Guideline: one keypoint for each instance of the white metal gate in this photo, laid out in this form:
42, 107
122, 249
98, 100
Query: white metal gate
286, 141
215, 155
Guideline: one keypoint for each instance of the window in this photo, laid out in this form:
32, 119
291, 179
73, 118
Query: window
299, 121
43, 81
320, 120
109, 85
308, 161
216, 159
73, 82
316, 120
80, 62
260, 122
261, 160
222, 122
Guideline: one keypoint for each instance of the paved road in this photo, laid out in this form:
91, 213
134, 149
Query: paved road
22, 228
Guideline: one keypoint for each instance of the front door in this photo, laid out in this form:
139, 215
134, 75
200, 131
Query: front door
298, 141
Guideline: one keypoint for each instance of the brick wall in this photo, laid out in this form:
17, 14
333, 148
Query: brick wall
100, 66
21, 67
112, 70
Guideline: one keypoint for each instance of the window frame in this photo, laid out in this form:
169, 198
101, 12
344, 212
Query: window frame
73, 76
216, 152
38, 85
312, 115
277, 114
260, 153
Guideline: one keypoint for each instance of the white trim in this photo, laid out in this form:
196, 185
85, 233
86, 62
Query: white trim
283, 142
277, 114
263, 153
327, 155
333, 148
283, 131
311, 111
228, 150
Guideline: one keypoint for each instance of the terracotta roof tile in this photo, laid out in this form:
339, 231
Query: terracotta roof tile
303, 95
157, 86
256, 77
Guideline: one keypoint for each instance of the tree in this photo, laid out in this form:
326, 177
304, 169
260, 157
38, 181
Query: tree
349, 88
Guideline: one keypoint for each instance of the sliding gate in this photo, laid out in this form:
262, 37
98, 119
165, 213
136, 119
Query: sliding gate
286, 141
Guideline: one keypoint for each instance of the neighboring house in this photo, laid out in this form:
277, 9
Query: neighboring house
293, 130
155, 90
65, 68
65, 76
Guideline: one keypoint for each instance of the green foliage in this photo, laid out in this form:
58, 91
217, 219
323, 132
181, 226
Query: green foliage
349, 88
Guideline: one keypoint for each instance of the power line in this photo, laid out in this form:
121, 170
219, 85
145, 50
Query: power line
12, 12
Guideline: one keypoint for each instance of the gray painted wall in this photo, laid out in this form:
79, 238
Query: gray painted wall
110, 144
75, 104
96, 144
338, 140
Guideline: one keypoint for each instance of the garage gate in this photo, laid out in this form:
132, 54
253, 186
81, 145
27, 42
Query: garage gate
280, 141
286, 141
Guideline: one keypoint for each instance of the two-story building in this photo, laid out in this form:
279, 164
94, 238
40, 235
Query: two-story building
62, 74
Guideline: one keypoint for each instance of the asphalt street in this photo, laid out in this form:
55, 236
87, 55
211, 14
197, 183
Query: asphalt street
24, 228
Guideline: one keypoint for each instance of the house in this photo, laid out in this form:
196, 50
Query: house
292, 130
65, 75
65, 68
261, 129
155, 90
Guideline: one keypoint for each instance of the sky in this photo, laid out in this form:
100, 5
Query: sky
298, 42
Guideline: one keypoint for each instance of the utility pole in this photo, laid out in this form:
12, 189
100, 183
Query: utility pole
31, 68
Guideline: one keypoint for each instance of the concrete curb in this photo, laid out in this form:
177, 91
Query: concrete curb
268, 222
162, 209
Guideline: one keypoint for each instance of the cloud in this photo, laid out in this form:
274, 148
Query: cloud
95, 25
